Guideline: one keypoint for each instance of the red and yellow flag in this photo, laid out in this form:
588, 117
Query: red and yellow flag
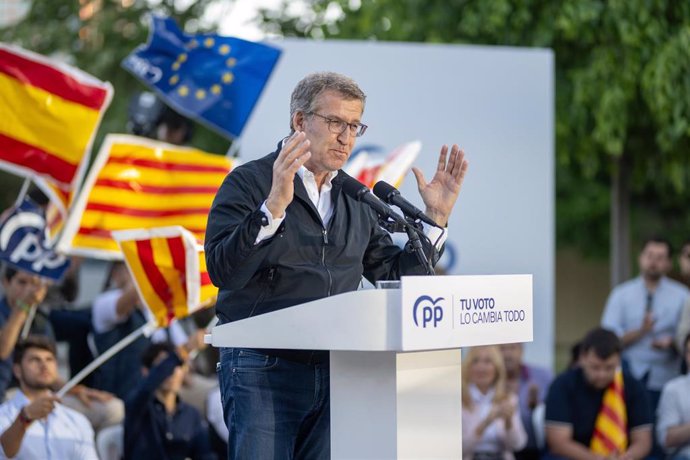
169, 270
138, 183
50, 113
611, 426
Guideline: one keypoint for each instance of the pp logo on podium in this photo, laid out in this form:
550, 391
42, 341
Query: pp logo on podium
427, 311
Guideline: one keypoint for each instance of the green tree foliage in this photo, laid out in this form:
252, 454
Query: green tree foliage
622, 89
95, 36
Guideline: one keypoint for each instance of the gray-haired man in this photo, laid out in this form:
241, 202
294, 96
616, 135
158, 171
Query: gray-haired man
281, 232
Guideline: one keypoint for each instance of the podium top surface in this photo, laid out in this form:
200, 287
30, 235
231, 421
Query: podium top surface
428, 313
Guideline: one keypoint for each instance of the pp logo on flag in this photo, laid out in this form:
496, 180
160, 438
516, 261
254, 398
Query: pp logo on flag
22, 243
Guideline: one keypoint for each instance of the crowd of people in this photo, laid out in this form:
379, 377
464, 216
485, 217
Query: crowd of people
625, 394
152, 393
284, 230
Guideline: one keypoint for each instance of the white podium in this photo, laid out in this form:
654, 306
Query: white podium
395, 358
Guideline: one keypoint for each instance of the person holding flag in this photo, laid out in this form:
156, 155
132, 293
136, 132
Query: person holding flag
598, 410
283, 231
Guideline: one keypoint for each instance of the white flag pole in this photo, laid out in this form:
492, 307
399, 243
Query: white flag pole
147, 329
29, 321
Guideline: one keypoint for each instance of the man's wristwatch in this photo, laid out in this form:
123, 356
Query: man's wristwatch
23, 418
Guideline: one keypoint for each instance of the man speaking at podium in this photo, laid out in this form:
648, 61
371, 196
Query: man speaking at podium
282, 232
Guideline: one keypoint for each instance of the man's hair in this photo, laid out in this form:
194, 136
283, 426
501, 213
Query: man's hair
658, 240
151, 353
33, 341
8, 272
603, 342
308, 90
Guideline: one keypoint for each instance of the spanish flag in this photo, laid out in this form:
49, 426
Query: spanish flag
50, 113
138, 183
611, 426
169, 270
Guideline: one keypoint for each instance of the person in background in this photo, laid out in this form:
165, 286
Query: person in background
491, 425
34, 424
683, 273
576, 403
158, 424
673, 413
645, 313
23, 291
530, 384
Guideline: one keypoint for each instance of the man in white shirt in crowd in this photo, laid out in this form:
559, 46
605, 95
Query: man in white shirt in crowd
34, 424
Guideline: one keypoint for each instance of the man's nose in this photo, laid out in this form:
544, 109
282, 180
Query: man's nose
345, 136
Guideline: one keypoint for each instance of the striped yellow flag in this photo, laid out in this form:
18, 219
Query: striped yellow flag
50, 113
611, 427
140, 183
169, 269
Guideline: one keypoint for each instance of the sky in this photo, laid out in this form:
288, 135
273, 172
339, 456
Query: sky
239, 17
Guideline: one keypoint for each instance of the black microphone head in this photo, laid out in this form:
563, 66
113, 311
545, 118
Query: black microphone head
354, 188
384, 191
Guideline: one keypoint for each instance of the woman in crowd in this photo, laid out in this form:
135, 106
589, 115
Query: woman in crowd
491, 426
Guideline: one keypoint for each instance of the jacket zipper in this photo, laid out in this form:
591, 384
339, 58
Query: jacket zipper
323, 260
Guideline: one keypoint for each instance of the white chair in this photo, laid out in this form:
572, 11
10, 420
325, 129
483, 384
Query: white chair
110, 442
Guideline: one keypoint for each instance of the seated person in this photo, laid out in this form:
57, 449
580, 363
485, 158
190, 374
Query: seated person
24, 291
34, 424
530, 384
491, 426
673, 413
585, 416
157, 423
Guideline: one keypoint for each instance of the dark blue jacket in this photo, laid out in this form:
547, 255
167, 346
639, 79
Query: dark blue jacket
304, 261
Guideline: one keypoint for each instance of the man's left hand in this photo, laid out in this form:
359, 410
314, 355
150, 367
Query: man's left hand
440, 194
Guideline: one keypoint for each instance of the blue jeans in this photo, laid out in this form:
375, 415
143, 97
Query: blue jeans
275, 409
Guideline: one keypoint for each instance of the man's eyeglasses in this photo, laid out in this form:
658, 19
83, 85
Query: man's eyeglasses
338, 126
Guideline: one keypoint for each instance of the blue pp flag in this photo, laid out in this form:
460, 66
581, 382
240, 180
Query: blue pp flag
23, 242
212, 79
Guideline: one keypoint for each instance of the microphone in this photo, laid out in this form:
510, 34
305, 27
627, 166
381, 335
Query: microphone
355, 189
391, 195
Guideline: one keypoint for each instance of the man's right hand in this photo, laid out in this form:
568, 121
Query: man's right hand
41, 406
292, 156
648, 323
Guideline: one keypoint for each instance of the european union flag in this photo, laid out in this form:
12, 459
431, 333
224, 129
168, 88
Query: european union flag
211, 79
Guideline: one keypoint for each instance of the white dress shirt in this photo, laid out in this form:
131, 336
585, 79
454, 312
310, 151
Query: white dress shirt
63, 434
323, 203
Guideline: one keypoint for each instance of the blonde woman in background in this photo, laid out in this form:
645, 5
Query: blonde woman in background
491, 426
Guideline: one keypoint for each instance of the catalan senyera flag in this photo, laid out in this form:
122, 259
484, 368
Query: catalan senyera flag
369, 167
141, 183
50, 113
169, 269
611, 425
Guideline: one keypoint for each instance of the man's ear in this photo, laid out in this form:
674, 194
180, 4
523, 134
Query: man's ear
17, 371
298, 120
144, 371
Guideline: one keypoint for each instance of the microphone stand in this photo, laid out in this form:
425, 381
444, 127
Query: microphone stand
413, 235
